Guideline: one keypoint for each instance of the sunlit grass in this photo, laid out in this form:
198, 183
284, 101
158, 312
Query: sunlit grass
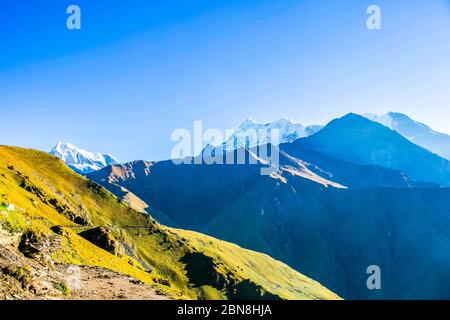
153, 252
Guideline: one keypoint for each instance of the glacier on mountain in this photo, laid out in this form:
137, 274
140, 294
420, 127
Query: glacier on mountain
251, 133
80, 160
417, 132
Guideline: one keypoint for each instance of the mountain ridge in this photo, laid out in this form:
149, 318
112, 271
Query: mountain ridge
415, 131
80, 160
357, 139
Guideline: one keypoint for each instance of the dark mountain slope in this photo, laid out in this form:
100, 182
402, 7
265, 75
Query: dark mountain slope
352, 175
356, 139
336, 234
332, 234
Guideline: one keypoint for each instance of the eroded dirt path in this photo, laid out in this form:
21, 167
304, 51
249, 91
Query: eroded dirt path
103, 284
23, 278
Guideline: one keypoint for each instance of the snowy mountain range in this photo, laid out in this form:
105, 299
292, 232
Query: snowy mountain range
415, 131
80, 160
251, 133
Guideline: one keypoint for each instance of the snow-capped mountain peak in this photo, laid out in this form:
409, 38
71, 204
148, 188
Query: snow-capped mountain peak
402, 123
249, 121
80, 160
251, 133
417, 132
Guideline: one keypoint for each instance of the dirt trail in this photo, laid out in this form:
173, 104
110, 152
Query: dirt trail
103, 284
23, 278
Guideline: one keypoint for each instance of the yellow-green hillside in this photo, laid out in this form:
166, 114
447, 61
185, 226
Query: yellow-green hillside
51, 200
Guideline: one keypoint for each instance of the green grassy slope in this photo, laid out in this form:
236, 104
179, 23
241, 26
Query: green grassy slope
183, 264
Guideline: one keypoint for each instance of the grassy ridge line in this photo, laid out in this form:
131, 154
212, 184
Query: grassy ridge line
272, 274
158, 249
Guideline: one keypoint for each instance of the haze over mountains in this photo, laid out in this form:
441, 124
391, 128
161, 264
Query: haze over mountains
417, 132
359, 140
353, 194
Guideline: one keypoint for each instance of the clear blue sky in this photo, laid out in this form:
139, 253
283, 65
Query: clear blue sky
139, 69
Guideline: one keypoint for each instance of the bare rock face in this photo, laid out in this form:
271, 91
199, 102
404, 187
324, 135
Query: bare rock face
60, 231
103, 238
7, 238
35, 246
41, 287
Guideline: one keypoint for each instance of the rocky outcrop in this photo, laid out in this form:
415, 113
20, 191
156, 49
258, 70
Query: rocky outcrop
202, 270
104, 239
34, 245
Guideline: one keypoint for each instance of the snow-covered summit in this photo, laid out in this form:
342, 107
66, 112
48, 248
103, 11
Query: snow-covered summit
251, 133
80, 160
417, 132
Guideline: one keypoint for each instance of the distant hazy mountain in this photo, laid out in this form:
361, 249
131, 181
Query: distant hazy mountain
310, 130
417, 132
80, 160
250, 133
356, 139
